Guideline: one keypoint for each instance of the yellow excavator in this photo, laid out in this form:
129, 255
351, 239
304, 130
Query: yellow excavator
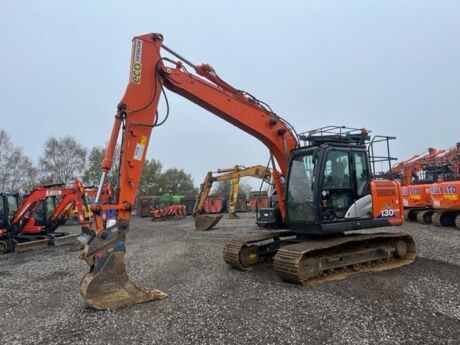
205, 222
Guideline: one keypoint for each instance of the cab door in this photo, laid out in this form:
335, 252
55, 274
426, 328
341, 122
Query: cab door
338, 192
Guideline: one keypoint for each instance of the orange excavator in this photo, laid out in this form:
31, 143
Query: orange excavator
407, 171
415, 189
41, 212
445, 194
428, 172
322, 178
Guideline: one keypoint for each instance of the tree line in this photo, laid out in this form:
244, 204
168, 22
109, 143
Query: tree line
64, 159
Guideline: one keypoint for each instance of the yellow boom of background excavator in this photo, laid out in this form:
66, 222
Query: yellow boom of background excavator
205, 222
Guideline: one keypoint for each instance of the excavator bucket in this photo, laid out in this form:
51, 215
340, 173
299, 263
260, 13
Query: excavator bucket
205, 222
108, 285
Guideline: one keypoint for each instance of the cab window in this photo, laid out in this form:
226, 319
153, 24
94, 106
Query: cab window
337, 170
12, 204
362, 172
300, 204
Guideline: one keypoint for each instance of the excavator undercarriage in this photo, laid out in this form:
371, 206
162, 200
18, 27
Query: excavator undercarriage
314, 259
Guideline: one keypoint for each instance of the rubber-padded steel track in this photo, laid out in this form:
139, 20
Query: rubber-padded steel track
436, 218
335, 258
445, 218
410, 215
242, 254
425, 217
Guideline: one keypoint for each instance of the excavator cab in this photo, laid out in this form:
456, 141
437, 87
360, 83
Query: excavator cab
38, 216
8, 206
323, 184
330, 189
44, 210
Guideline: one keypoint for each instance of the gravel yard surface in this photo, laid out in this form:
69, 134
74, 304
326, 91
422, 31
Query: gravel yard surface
210, 303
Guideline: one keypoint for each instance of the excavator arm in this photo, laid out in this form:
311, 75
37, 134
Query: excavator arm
107, 285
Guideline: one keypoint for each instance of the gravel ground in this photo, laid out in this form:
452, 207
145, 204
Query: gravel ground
211, 304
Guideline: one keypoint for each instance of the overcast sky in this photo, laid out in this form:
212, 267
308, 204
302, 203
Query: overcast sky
390, 66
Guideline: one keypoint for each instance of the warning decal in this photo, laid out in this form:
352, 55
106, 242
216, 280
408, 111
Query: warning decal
140, 147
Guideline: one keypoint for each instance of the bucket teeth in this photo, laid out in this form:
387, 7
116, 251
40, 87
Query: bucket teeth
108, 285
205, 222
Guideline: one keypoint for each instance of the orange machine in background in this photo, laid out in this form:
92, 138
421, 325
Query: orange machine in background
258, 200
215, 204
445, 197
417, 202
424, 174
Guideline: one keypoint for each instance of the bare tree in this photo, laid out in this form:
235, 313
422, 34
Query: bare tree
93, 170
63, 160
16, 169
23, 174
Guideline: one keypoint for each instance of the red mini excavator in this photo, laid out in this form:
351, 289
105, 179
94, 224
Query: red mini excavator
323, 180
41, 212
